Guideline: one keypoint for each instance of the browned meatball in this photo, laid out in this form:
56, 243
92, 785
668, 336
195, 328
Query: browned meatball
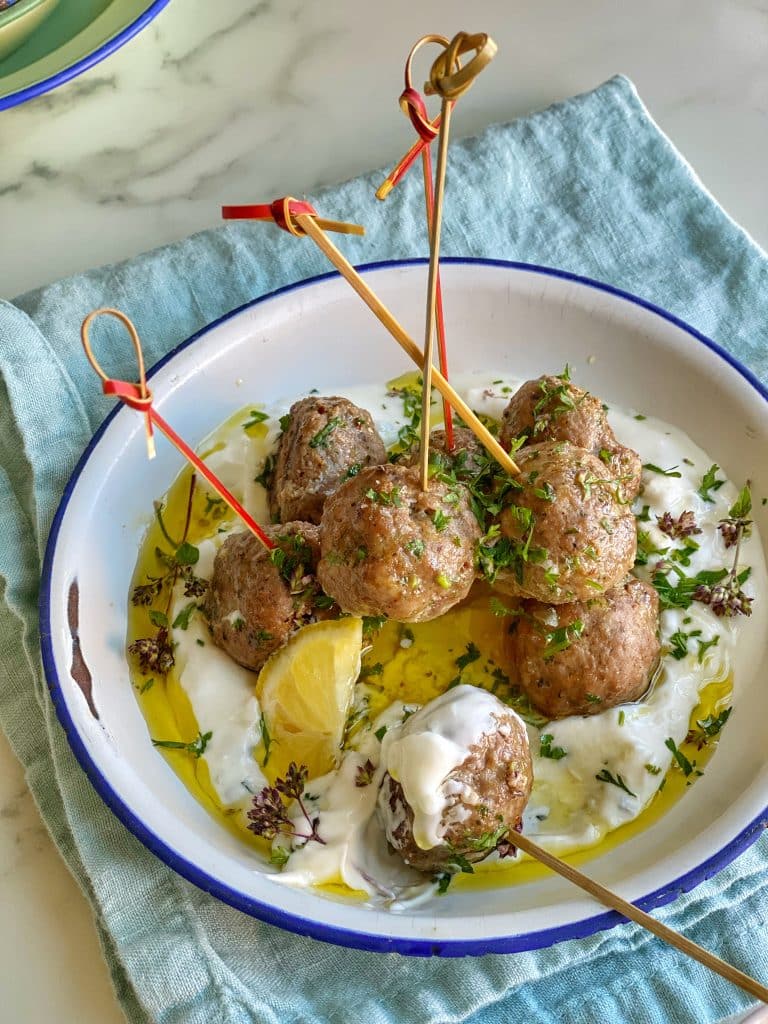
553, 409
565, 536
465, 461
582, 658
326, 440
390, 549
257, 599
479, 803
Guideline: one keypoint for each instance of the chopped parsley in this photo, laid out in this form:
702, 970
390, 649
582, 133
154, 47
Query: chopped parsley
385, 497
710, 483
182, 619
685, 766
560, 639
471, 654
266, 739
256, 417
678, 643
605, 776
323, 436
196, 747
440, 520
547, 750
664, 472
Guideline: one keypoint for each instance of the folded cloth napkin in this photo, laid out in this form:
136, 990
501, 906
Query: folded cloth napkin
591, 186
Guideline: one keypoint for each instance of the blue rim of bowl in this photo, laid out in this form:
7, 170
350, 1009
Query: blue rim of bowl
122, 37
293, 922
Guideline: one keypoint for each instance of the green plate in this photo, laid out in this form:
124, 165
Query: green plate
65, 40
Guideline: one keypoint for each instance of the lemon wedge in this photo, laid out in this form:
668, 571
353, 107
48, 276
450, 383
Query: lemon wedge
305, 691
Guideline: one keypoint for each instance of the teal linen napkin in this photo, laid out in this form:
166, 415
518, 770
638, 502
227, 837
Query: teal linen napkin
591, 186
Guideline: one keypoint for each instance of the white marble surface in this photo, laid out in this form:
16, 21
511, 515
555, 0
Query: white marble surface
249, 99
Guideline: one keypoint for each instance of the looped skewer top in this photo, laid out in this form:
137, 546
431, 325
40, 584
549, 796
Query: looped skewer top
284, 213
448, 83
139, 397
411, 101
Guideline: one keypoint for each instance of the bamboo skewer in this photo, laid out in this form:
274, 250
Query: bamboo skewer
401, 336
449, 84
629, 910
434, 257
139, 397
412, 105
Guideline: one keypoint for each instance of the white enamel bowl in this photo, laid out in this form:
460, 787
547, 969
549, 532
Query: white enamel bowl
513, 319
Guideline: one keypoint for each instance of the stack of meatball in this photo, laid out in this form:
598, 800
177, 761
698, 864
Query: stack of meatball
357, 535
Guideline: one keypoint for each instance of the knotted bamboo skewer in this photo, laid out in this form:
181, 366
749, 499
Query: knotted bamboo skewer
448, 82
306, 225
414, 108
139, 397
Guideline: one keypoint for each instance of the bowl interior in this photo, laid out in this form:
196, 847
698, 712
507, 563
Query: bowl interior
514, 320
72, 34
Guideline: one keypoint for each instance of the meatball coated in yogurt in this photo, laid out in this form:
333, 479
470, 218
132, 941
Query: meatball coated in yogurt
325, 441
585, 657
257, 599
458, 776
553, 409
567, 533
390, 549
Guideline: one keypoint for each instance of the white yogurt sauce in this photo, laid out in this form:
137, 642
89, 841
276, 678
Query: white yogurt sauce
569, 808
426, 749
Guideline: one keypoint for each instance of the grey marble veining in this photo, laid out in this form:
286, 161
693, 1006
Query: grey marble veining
213, 102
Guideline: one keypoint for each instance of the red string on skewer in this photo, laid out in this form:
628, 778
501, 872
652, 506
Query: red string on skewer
284, 212
139, 397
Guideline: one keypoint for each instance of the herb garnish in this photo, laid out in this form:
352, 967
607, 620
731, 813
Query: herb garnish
182, 619
685, 766
683, 526
710, 483
708, 728
196, 747
547, 750
155, 653
440, 520
560, 639
323, 436
268, 817
267, 473
664, 472
266, 740
256, 417
364, 774
736, 526
391, 497
471, 654
605, 776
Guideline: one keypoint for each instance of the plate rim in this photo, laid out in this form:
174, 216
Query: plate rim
352, 937
31, 92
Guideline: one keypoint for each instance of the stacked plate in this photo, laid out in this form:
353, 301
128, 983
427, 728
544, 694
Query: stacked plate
44, 43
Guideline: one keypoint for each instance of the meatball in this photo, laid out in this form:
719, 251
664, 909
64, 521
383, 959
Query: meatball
458, 776
582, 658
566, 535
466, 460
326, 440
255, 600
390, 549
554, 409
